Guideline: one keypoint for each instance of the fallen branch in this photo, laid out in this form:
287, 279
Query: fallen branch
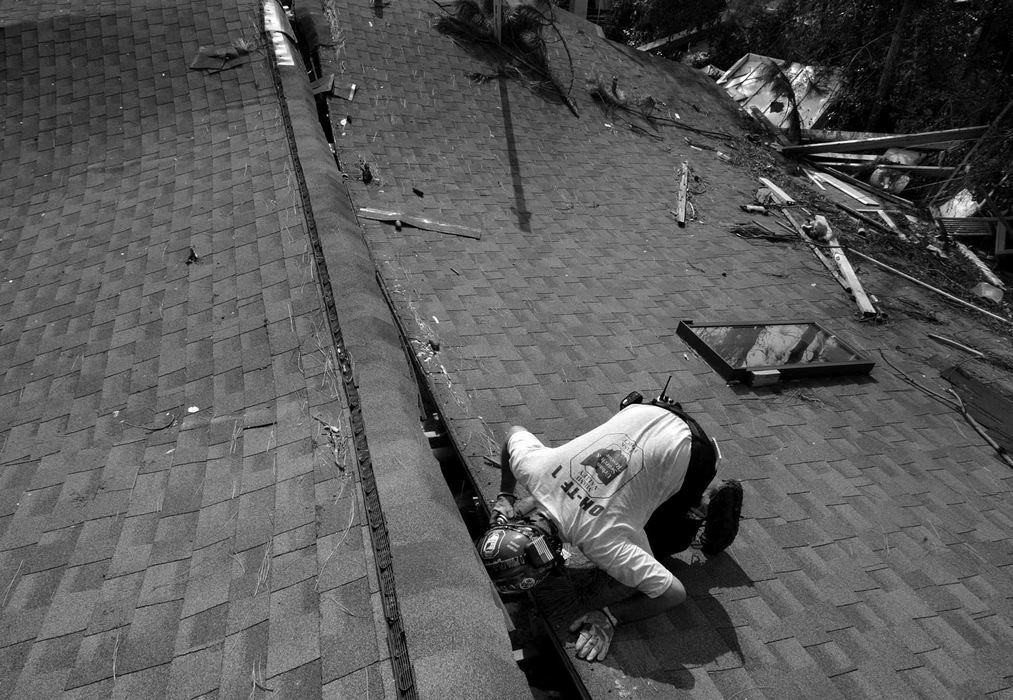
1000, 450
957, 406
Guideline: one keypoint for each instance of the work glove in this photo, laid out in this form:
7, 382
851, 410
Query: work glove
595, 635
503, 508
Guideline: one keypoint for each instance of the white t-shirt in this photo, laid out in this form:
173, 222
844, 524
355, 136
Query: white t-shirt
602, 487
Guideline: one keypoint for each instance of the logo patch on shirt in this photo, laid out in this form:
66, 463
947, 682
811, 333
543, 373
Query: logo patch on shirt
607, 464
604, 467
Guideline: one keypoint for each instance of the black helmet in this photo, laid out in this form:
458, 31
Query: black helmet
518, 556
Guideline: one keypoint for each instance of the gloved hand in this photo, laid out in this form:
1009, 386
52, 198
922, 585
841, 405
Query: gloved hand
503, 508
595, 635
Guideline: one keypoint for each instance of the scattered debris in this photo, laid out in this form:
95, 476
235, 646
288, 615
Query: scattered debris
846, 188
954, 343
987, 291
616, 103
168, 423
513, 39
337, 442
875, 143
844, 265
680, 207
917, 281
754, 229
778, 192
696, 145
221, 57
959, 376
400, 219
10, 585
867, 219
987, 407
768, 86
753, 208
991, 280
325, 84
482, 78
824, 260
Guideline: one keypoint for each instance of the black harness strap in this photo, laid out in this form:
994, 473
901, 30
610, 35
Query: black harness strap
702, 461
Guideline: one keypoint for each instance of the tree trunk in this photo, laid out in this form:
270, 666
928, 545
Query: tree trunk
886, 77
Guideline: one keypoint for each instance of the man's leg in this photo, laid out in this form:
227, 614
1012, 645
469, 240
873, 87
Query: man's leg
674, 525
671, 529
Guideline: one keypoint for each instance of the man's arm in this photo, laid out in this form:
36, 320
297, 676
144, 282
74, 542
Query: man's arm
503, 507
597, 627
640, 606
507, 480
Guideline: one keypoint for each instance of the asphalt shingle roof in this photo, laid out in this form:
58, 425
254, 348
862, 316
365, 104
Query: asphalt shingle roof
180, 506
873, 558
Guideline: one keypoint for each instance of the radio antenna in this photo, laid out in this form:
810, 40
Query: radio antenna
664, 392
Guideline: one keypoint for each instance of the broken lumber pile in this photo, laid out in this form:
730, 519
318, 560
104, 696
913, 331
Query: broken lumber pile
887, 161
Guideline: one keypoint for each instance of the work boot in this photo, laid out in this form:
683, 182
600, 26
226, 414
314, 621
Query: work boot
722, 522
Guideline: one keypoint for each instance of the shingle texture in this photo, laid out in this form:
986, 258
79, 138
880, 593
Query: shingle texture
180, 511
873, 557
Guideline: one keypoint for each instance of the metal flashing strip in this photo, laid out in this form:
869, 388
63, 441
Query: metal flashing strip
404, 672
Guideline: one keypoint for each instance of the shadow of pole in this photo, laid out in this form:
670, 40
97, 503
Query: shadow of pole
520, 203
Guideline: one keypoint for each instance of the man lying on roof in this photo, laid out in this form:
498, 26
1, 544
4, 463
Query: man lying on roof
637, 487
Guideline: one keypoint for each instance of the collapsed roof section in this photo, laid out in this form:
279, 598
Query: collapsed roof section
756, 81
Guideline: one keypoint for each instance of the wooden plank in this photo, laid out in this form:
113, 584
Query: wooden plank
895, 140
940, 170
881, 213
783, 196
866, 187
848, 272
847, 189
812, 176
829, 135
325, 84
855, 214
680, 207
857, 157
419, 222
